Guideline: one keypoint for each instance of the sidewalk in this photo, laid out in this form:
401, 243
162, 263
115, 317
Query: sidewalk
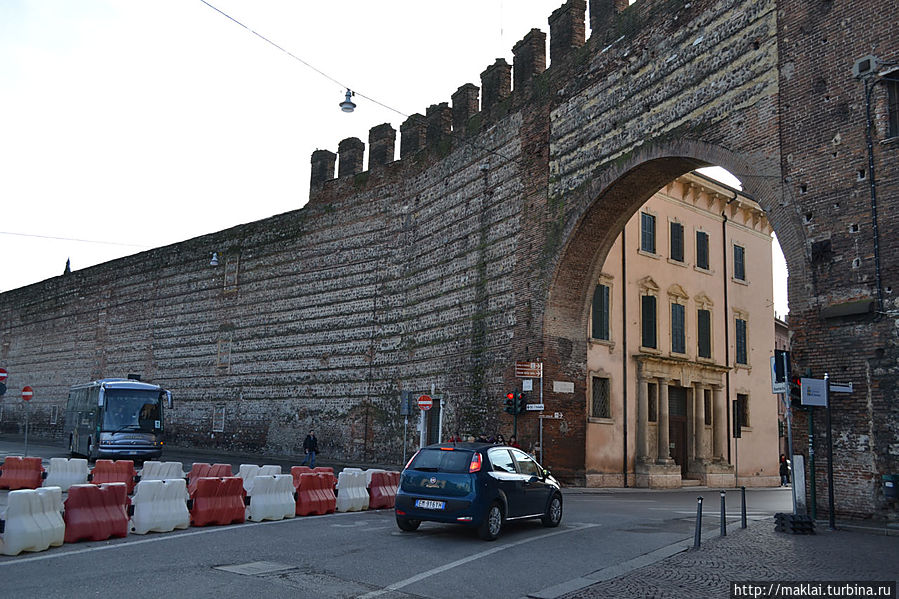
757, 554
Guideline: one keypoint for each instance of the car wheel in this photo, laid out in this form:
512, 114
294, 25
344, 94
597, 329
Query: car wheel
553, 515
407, 524
493, 522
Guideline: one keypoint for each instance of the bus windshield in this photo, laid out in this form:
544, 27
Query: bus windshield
131, 409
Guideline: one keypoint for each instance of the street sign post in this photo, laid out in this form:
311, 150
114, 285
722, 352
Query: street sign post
814, 392
27, 394
529, 370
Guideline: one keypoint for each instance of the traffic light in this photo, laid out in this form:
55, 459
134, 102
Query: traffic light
795, 391
509, 403
520, 404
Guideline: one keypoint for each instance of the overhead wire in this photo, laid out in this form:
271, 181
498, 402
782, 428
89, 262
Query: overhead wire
344, 86
134, 245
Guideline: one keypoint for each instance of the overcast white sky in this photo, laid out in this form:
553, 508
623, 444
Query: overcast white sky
140, 124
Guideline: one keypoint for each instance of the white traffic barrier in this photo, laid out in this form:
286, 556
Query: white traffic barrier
161, 470
64, 473
32, 521
248, 472
159, 506
272, 498
352, 495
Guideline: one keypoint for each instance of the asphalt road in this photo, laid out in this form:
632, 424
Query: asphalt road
363, 554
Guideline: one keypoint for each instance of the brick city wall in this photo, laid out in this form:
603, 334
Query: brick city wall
479, 246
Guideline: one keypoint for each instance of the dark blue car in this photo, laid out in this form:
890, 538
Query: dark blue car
476, 484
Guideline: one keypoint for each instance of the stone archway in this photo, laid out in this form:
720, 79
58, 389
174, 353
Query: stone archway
605, 204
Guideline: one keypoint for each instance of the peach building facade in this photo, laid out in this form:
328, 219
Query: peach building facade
680, 334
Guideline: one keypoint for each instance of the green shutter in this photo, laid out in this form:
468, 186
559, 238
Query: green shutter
649, 321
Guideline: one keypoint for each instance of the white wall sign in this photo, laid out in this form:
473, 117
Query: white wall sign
563, 387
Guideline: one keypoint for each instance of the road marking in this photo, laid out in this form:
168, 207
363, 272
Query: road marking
128, 543
434, 571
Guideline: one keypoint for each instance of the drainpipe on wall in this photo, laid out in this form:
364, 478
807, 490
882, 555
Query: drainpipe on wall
624, 349
727, 331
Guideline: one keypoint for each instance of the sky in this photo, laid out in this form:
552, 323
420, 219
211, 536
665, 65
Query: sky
127, 125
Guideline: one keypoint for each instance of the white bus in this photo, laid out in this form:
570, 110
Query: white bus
116, 418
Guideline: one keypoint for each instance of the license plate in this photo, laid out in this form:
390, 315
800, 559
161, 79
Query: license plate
428, 504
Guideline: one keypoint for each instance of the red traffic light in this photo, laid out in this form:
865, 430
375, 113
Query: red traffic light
510, 395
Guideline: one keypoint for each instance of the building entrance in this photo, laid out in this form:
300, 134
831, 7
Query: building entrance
677, 426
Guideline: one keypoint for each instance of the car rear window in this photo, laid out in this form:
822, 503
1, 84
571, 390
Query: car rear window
442, 460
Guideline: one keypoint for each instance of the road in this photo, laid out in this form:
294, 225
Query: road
363, 554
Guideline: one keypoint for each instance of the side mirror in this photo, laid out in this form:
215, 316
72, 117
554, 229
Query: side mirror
546, 473
168, 400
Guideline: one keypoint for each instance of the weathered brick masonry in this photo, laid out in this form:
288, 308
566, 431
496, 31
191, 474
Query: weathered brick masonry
481, 244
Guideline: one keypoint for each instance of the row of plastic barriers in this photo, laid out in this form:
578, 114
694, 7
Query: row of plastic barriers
113, 499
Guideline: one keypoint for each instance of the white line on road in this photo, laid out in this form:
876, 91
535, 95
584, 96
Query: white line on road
434, 571
167, 537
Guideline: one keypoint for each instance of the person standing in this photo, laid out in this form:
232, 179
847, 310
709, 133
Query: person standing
310, 448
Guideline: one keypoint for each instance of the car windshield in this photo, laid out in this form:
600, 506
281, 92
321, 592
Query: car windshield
131, 410
441, 460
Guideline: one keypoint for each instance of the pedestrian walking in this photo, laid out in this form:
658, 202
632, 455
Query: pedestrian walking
310, 448
784, 471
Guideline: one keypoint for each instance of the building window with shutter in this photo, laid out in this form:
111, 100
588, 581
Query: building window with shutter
647, 233
601, 405
743, 409
704, 333
742, 354
892, 86
739, 263
677, 242
678, 329
702, 250
600, 317
648, 319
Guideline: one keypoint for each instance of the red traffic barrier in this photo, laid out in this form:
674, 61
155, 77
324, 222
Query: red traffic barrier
96, 512
381, 492
296, 471
329, 499
21, 473
204, 470
310, 500
118, 471
217, 501
323, 469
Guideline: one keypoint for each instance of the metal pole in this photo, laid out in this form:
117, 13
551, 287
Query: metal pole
811, 461
541, 419
405, 431
697, 536
743, 507
829, 453
26, 429
789, 414
723, 515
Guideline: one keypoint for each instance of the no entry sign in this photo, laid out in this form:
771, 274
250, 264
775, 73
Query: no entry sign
425, 402
3, 374
27, 393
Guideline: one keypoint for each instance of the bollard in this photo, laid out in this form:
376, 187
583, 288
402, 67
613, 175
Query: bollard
743, 507
698, 535
723, 517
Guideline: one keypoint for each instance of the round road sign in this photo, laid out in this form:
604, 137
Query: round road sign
3, 374
27, 393
425, 402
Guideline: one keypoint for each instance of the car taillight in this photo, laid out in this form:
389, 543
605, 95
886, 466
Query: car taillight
475, 465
